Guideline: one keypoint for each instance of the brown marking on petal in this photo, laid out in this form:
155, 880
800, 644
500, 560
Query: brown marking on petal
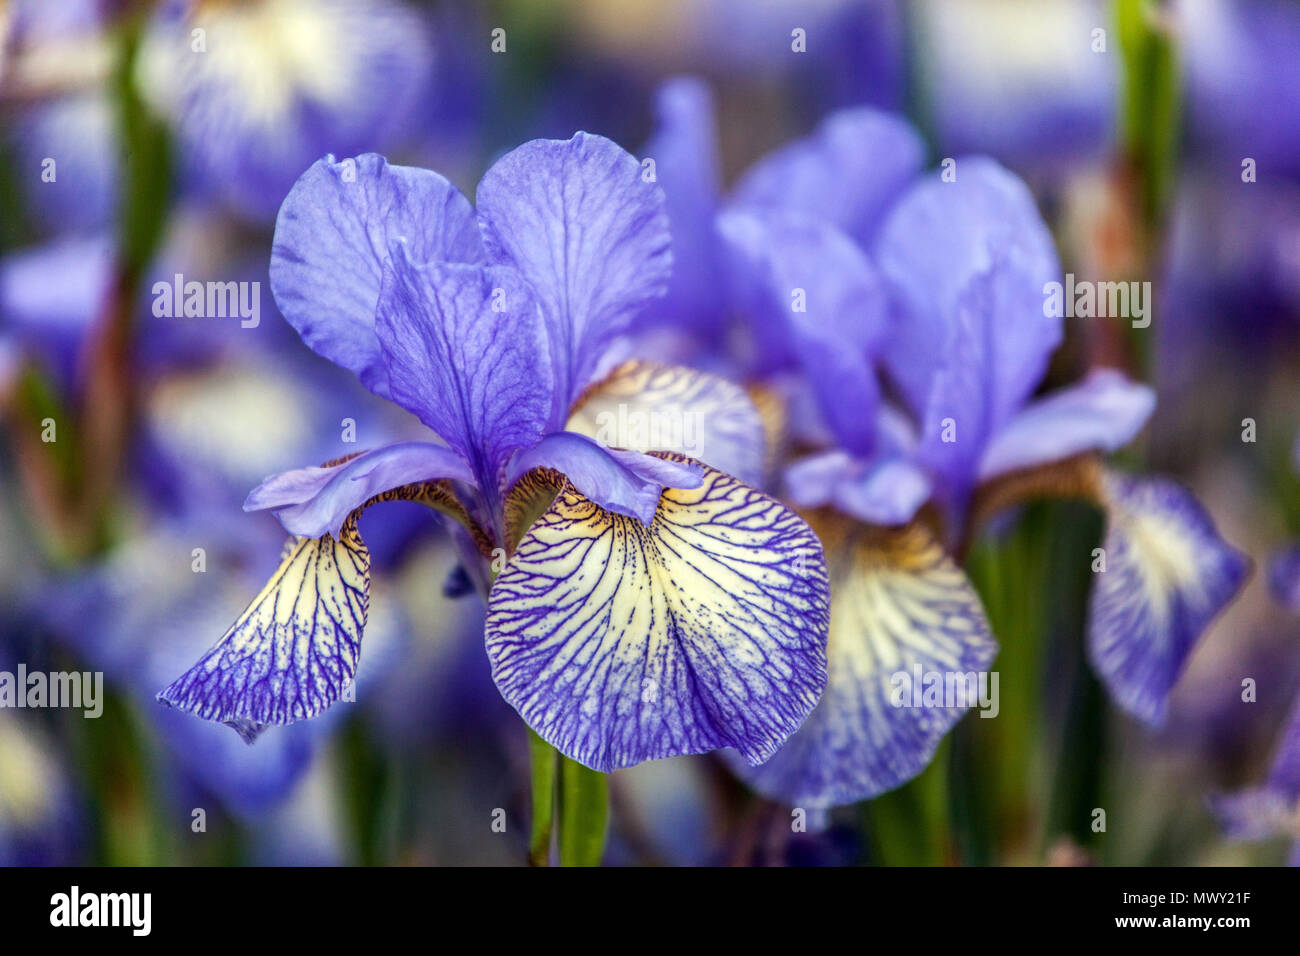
1078, 478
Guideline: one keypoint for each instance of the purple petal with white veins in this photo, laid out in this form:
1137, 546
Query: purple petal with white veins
332, 237
1101, 413
847, 173
466, 354
620, 642
316, 501
1168, 574
625, 482
579, 221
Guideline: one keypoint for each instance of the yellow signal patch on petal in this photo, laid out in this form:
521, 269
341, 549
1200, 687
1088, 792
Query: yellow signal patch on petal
296, 647
292, 652
908, 653
1167, 575
620, 642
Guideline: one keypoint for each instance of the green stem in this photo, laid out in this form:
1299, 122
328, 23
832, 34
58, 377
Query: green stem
584, 811
543, 757
1150, 104
909, 826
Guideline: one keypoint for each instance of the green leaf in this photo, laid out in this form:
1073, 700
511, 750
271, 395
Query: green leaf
147, 160
584, 810
1150, 104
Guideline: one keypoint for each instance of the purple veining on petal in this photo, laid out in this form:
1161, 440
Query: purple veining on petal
620, 642
847, 173
464, 349
1168, 575
908, 656
294, 651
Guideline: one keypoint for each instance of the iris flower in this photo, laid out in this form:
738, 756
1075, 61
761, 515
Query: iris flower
656, 605
1272, 809
914, 309
257, 90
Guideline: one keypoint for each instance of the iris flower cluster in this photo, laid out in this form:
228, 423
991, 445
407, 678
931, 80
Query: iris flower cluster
910, 306
647, 600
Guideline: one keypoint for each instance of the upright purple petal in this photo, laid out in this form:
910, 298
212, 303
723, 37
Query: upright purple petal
620, 642
813, 289
687, 166
578, 219
1102, 413
848, 172
958, 420
466, 354
317, 501
940, 236
1168, 574
332, 237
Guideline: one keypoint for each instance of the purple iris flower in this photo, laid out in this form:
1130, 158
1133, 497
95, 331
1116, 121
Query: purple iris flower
257, 90
1243, 88
916, 308
1273, 808
658, 606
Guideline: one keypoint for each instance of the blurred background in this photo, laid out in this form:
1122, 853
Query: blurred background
126, 158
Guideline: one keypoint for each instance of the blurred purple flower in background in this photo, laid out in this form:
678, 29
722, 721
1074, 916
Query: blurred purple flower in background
257, 91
